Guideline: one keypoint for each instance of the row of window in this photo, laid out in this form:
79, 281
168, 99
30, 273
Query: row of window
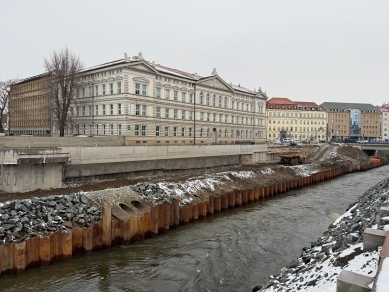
301, 136
102, 109
141, 110
102, 89
141, 130
301, 115
305, 122
302, 129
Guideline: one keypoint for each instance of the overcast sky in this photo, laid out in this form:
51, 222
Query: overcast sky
303, 50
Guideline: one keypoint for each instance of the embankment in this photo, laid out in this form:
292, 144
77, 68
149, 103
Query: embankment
40, 251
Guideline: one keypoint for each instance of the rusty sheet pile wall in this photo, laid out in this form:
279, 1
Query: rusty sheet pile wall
36, 251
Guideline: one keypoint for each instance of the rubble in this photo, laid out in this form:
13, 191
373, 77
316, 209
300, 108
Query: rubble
20, 220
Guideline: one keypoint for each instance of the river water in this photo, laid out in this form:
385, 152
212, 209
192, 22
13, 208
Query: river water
231, 251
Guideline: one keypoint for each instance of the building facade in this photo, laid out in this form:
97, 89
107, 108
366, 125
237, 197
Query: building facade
353, 121
299, 121
384, 122
29, 110
153, 104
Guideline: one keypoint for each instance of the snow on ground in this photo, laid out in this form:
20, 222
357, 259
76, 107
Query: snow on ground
382, 283
304, 169
325, 274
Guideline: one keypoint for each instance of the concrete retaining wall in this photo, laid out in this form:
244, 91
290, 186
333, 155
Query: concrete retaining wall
50, 142
34, 252
27, 177
89, 163
91, 155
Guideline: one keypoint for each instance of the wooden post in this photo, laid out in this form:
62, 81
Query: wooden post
87, 239
160, 217
251, 195
154, 220
67, 245
176, 204
115, 232
32, 252
224, 201
195, 212
166, 214
44, 251
97, 232
107, 227
77, 241
120, 232
7, 258
56, 243
231, 199
211, 204
19, 257
208, 208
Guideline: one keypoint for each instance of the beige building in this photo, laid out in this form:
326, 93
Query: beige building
384, 121
296, 120
29, 111
152, 104
353, 121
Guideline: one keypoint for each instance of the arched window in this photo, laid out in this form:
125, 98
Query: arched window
214, 100
201, 132
225, 102
207, 99
207, 133
220, 133
225, 133
201, 98
220, 102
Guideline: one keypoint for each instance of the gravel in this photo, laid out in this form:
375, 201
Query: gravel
20, 220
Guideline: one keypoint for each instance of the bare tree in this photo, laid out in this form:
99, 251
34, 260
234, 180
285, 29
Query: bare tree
64, 68
5, 95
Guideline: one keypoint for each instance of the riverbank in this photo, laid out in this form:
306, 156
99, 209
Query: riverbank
341, 247
80, 206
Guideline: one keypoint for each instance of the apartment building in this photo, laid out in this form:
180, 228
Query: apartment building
152, 104
353, 121
296, 120
29, 110
384, 121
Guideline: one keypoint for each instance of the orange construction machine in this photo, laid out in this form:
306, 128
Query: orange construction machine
375, 159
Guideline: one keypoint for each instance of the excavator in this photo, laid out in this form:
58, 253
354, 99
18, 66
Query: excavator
375, 158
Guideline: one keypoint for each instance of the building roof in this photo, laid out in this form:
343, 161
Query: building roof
343, 106
383, 109
159, 68
280, 100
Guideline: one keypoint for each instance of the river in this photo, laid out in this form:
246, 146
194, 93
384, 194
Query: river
231, 251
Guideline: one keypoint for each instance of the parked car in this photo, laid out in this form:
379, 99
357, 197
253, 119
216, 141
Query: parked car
286, 140
362, 141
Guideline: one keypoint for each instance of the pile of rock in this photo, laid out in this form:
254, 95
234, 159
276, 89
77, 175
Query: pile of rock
343, 233
153, 193
20, 220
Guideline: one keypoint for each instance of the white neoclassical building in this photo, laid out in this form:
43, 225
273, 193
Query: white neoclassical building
152, 104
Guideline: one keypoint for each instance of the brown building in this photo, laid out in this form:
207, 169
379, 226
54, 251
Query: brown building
352, 121
29, 107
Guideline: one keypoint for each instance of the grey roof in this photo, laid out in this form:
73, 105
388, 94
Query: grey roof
345, 106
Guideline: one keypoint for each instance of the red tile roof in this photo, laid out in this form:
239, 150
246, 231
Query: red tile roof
307, 104
280, 100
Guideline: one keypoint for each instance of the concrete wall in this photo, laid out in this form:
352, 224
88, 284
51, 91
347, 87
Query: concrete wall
128, 169
23, 178
89, 163
91, 155
50, 142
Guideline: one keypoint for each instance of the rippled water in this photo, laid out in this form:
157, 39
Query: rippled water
230, 251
